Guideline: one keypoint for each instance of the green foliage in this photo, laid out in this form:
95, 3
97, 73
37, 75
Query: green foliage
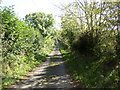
90, 73
24, 46
84, 44
40, 21
90, 31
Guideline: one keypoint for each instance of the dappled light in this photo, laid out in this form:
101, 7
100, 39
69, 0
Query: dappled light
47, 75
77, 45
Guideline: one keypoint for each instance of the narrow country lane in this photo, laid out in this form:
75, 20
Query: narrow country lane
51, 74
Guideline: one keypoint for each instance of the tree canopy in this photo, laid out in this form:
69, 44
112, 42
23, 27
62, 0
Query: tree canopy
41, 21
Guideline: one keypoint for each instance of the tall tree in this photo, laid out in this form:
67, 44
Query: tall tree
41, 21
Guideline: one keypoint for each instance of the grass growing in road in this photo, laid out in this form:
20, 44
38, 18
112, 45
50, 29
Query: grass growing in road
53, 64
53, 61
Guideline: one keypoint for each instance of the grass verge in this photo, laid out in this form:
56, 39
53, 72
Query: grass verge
89, 72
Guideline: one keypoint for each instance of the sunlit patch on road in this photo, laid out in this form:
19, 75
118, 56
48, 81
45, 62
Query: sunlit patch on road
51, 74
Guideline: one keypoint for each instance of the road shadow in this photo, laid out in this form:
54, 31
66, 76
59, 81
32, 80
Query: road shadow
55, 75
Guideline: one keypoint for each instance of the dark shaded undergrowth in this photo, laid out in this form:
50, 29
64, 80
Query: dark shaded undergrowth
89, 72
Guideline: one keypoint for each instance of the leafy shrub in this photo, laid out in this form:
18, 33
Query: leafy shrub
24, 46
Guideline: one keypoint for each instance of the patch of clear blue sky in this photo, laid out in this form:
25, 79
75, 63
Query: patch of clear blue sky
23, 7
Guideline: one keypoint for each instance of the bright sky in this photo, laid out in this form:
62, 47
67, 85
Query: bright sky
23, 7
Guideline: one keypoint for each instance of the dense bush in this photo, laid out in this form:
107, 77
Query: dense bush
84, 44
95, 34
